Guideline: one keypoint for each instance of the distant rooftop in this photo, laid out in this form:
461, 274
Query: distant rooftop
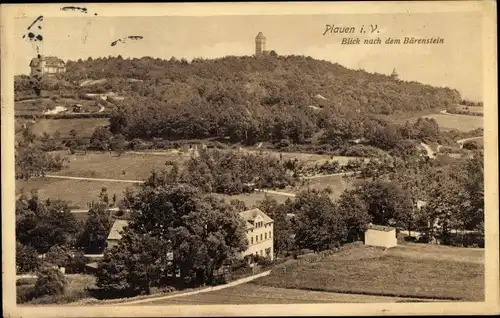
49, 61
115, 232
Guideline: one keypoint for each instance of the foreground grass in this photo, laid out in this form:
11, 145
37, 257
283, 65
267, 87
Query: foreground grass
255, 294
395, 273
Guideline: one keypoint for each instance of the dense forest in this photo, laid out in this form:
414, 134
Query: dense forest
245, 98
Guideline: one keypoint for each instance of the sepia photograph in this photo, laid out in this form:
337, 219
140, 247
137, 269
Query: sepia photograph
288, 158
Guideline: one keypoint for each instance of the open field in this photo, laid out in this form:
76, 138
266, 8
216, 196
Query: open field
473, 109
255, 294
402, 117
136, 166
459, 122
338, 184
421, 272
128, 166
77, 192
84, 127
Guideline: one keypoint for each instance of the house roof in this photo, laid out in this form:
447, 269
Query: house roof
382, 228
260, 36
94, 265
49, 61
115, 232
250, 215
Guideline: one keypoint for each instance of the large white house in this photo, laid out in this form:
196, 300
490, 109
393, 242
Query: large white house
259, 232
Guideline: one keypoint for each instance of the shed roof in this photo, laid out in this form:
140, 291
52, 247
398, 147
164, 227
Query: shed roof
116, 229
382, 228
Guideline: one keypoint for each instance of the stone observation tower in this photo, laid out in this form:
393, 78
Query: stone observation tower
394, 74
260, 44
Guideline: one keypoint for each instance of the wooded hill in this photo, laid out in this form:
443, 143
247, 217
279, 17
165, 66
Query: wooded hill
248, 99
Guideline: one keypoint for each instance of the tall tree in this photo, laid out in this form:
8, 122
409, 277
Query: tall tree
42, 225
133, 266
318, 225
201, 232
282, 230
355, 212
387, 203
96, 229
27, 259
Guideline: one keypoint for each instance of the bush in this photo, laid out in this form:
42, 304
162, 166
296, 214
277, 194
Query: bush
61, 299
304, 251
50, 282
218, 145
24, 293
362, 151
77, 264
26, 258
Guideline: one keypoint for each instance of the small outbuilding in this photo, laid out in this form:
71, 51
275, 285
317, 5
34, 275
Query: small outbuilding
379, 235
115, 234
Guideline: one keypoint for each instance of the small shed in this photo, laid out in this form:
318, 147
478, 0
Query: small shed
379, 235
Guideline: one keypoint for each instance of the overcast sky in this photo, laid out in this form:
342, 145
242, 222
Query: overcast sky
457, 63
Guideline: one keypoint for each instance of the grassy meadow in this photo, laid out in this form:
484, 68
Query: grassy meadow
417, 271
460, 122
84, 127
254, 294
137, 167
337, 183
473, 109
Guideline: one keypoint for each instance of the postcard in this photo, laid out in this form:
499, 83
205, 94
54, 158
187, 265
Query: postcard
249, 159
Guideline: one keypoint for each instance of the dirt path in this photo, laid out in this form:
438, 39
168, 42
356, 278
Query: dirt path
461, 141
429, 151
87, 210
206, 290
92, 179
288, 194
331, 175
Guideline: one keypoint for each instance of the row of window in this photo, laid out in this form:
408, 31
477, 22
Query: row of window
261, 224
257, 237
268, 252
